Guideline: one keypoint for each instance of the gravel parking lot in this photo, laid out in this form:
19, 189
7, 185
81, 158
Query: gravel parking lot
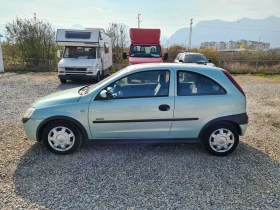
144, 176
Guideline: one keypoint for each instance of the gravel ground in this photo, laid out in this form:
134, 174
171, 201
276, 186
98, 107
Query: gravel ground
146, 176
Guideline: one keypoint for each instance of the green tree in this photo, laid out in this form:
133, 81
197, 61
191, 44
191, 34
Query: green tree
33, 37
119, 37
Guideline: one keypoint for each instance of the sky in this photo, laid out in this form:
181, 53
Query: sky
168, 15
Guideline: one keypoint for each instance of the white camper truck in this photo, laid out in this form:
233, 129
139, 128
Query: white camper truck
87, 54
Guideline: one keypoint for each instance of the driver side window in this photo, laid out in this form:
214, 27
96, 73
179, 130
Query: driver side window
140, 85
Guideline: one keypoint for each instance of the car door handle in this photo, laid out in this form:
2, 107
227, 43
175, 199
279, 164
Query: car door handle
164, 107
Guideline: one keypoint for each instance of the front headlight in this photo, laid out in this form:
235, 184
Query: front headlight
89, 68
27, 115
61, 70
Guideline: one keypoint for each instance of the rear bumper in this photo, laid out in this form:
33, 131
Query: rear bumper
243, 129
77, 77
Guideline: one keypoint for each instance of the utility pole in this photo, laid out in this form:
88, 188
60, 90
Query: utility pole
190, 36
139, 20
258, 53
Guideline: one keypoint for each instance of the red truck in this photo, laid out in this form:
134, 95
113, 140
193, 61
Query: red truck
145, 47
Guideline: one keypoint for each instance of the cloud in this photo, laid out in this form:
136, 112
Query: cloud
96, 9
230, 1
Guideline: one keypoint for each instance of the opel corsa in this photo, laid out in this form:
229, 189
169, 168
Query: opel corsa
158, 103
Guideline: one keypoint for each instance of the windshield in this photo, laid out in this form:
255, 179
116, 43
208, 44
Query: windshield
80, 52
145, 51
195, 58
106, 79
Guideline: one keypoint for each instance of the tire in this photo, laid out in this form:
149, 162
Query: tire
98, 77
68, 135
220, 139
63, 80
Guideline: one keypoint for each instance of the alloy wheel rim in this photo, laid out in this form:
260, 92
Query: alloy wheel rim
61, 138
221, 140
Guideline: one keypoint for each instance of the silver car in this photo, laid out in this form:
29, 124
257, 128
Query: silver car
158, 103
192, 57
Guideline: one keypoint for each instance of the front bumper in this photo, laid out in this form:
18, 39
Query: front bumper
77, 77
30, 128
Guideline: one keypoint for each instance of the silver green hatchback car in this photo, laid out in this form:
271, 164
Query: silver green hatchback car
158, 103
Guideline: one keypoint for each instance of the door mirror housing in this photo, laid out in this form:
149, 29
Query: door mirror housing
124, 55
103, 94
181, 61
210, 61
165, 57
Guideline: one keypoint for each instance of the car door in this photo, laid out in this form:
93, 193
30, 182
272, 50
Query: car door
198, 99
141, 106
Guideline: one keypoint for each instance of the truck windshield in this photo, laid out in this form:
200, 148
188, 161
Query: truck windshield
80, 52
145, 51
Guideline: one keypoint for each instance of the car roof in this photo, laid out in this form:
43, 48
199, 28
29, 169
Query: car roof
183, 66
194, 53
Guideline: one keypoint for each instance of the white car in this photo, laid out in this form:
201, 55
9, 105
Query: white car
191, 57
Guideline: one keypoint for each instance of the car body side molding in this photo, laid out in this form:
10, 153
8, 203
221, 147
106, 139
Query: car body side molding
144, 120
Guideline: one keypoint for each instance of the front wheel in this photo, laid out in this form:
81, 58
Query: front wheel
62, 137
98, 77
63, 80
221, 139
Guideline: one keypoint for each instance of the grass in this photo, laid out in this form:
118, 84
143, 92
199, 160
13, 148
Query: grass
269, 76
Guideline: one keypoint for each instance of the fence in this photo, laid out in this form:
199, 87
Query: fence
237, 66
240, 64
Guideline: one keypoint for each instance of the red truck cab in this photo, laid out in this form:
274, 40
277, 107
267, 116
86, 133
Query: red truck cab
145, 47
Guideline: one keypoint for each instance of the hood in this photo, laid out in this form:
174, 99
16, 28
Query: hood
138, 60
145, 36
70, 62
61, 97
210, 64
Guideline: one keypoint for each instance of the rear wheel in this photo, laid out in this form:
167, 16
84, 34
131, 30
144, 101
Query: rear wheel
63, 80
62, 137
221, 139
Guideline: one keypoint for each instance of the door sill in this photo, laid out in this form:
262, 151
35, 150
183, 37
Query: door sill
144, 141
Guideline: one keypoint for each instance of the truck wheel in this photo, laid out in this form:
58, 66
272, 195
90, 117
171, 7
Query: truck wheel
63, 80
98, 77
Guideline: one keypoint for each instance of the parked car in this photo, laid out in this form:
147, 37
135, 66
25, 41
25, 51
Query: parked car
191, 57
159, 103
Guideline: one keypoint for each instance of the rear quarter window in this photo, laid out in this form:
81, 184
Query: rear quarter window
191, 84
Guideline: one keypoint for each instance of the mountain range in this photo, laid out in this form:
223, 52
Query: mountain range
267, 30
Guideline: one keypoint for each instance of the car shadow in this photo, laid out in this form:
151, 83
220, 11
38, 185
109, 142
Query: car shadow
147, 175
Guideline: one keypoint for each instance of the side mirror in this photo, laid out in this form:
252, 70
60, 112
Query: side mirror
103, 94
210, 61
165, 57
181, 61
124, 55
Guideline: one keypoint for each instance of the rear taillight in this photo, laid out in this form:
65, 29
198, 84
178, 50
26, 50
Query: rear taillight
233, 81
